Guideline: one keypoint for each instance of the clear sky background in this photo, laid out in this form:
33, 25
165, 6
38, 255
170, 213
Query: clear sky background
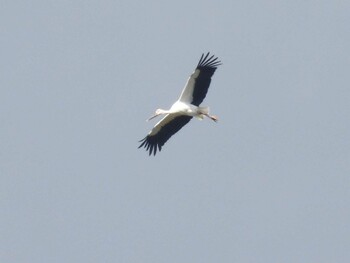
268, 183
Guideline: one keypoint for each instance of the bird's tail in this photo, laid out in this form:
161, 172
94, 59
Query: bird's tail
202, 111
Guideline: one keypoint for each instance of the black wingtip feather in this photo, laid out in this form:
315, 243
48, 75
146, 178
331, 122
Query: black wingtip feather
210, 62
150, 146
207, 66
152, 143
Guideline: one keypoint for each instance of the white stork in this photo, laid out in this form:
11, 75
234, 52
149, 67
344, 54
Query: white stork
186, 107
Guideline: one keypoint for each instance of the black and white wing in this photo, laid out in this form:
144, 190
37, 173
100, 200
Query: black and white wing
197, 85
162, 132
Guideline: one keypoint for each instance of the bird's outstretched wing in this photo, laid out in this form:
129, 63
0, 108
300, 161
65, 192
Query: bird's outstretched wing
198, 83
162, 131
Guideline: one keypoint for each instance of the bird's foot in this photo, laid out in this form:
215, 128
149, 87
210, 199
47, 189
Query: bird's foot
214, 118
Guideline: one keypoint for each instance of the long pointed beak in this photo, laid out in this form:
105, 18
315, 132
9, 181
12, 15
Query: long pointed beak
152, 117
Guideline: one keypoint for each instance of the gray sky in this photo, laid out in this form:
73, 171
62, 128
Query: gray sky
268, 183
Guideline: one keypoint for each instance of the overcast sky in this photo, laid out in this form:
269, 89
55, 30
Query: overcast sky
268, 183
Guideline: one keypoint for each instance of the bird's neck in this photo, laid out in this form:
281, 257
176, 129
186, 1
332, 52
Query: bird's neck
161, 111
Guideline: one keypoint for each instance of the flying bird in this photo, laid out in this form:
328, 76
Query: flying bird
185, 108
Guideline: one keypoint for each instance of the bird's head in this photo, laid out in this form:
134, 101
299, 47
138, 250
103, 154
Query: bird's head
157, 113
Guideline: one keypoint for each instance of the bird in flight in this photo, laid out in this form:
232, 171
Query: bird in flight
185, 108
